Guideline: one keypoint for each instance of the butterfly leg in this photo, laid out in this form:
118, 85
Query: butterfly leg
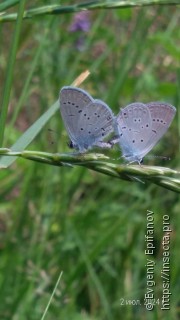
114, 140
102, 144
140, 162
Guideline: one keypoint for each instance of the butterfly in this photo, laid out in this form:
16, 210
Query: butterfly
88, 121
140, 126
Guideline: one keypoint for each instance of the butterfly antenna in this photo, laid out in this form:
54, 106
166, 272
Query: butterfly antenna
159, 157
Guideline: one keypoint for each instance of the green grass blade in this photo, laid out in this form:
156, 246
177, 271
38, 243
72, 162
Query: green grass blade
8, 4
94, 277
92, 5
98, 162
10, 70
30, 134
52, 295
28, 79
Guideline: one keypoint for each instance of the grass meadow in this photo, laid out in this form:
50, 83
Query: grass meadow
72, 240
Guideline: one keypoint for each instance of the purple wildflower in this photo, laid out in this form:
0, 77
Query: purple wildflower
81, 22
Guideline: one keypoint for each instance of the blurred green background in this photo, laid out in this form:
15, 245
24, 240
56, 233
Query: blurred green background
87, 225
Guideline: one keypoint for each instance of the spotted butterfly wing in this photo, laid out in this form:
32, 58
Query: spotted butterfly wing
87, 121
162, 115
140, 126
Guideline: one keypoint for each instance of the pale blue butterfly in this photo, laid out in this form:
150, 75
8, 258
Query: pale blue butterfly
88, 121
140, 126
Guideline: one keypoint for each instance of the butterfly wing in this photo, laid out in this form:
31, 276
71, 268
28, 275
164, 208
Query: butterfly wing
72, 103
162, 115
141, 126
87, 121
95, 123
133, 124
